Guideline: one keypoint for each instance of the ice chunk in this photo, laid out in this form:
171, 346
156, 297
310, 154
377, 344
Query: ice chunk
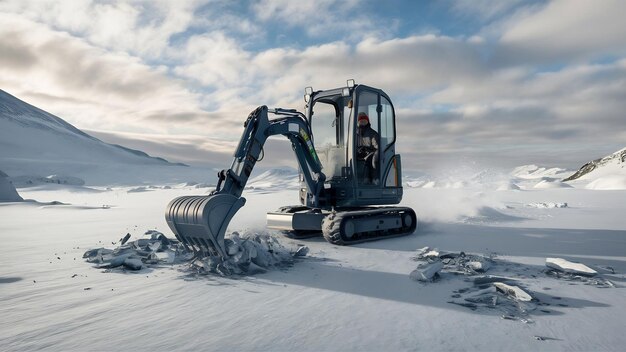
426, 272
569, 267
515, 292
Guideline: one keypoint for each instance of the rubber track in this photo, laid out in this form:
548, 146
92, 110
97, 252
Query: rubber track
332, 225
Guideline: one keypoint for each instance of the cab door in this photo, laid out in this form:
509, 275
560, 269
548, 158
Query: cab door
384, 187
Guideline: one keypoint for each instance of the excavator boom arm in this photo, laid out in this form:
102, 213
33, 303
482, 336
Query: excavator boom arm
200, 222
257, 128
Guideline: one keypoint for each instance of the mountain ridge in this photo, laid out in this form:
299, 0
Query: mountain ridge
21, 113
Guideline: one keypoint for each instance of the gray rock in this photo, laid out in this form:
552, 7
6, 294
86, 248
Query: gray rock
8, 193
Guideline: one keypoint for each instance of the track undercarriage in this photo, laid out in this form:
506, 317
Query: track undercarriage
344, 226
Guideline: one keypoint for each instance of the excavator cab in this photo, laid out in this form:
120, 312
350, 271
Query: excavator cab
349, 173
357, 173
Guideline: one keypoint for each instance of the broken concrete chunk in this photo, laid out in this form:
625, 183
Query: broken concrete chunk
422, 251
124, 239
487, 291
92, 253
426, 272
133, 263
450, 255
487, 279
168, 256
302, 251
513, 291
232, 248
255, 269
154, 246
431, 254
480, 266
248, 254
569, 267
114, 261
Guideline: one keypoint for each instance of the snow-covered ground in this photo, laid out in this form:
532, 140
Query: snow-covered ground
337, 298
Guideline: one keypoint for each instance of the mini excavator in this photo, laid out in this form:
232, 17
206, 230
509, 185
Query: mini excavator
349, 192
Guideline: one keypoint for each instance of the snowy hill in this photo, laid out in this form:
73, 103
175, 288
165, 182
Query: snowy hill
275, 179
609, 166
533, 172
36, 143
608, 173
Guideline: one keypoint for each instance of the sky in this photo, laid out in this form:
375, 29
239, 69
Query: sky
485, 82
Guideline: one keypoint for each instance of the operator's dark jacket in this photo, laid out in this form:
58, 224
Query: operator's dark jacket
367, 137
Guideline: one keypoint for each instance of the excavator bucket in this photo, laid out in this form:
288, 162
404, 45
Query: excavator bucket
200, 222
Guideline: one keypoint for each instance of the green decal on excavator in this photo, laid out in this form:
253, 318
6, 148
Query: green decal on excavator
305, 136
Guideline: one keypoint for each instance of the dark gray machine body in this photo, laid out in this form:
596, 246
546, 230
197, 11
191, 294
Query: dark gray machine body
333, 118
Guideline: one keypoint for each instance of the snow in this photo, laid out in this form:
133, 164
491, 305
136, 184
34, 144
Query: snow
544, 184
52, 299
509, 186
534, 172
285, 178
547, 205
609, 182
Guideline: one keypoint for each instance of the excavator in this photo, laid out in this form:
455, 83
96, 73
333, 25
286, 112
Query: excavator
349, 191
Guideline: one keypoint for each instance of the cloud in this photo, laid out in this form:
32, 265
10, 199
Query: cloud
330, 17
484, 9
213, 59
56, 70
563, 30
141, 28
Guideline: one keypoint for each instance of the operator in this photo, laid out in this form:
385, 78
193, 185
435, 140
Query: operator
367, 150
